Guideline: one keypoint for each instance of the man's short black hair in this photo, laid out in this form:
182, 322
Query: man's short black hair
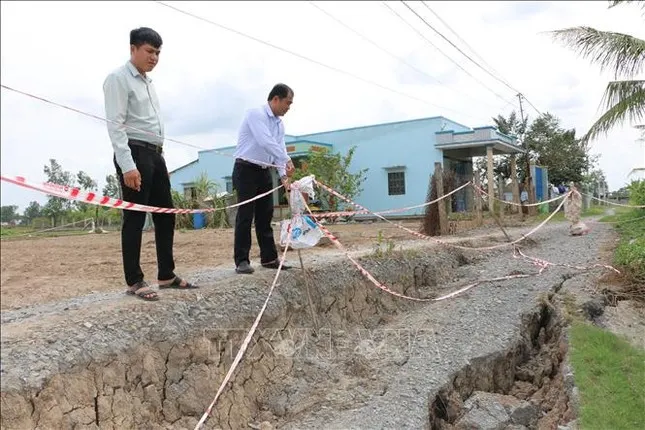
281, 90
142, 35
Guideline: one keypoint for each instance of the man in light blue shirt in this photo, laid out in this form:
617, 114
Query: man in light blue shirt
260, 145
131, 102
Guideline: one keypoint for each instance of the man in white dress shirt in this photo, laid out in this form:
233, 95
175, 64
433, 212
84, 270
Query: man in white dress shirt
260, 144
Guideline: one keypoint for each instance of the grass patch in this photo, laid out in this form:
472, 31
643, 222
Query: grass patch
14, 231
618, 213
595, 210
610, 375
19, 233
630, 252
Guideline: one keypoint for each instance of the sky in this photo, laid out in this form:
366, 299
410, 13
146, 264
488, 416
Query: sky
207, 76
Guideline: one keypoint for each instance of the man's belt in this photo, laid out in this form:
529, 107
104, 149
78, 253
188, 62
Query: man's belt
157, 148
248, 163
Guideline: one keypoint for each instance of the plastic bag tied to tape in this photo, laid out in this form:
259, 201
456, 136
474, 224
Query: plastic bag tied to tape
296, 199
573, 211
304, 231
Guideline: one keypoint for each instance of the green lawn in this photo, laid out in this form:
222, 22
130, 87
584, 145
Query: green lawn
610, 375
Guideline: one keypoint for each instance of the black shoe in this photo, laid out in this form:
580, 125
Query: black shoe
275, 265
245, 268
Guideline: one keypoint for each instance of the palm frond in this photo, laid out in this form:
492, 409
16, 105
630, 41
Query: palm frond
623, 100
614, 3
622, 53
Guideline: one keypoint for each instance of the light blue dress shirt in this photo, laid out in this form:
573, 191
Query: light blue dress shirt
261, 139
131, 99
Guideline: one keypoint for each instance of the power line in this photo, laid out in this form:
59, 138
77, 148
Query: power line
466, 44
531, 104
311, 60
391, 54
443, 53
500, 78
455, 46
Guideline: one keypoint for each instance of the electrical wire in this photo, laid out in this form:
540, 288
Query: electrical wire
396, 57
311, 60
494, 75
443, 53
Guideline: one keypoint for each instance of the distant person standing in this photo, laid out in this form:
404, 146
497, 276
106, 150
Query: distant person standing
131, 100
554, 191
561, 189
260, 143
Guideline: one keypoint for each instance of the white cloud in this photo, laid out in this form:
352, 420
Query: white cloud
208, 76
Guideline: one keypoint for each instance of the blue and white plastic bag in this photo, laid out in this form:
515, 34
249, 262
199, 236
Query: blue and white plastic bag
304, 231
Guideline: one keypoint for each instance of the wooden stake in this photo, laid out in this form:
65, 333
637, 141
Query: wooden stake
311, 303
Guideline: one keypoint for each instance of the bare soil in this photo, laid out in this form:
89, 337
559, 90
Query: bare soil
42, 270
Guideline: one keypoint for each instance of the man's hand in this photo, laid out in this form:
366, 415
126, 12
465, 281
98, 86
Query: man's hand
286, 183
132, 179
290, 168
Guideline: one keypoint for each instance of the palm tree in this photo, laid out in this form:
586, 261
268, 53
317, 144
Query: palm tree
624, 98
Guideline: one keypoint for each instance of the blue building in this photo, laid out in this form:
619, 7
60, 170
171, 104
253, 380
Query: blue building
400, 157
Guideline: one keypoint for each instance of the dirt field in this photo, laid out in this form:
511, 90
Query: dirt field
42, 270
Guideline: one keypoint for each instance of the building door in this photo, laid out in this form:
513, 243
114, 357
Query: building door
539, 184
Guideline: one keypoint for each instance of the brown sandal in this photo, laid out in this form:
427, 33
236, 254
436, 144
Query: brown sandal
143, 291
176, 284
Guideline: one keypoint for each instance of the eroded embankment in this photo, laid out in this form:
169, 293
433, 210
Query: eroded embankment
157, 365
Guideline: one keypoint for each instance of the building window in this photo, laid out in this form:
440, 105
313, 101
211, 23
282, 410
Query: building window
190, 192
228, 180
396, 183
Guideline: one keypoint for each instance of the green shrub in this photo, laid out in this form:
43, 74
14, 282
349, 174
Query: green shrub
630, 252
637, 193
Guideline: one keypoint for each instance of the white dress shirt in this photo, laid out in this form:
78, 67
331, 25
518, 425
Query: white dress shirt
261, 139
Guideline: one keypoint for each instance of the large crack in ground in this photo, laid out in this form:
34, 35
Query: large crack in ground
374, 361
522, 387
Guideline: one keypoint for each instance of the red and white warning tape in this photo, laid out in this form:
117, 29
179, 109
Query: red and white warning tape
613, 203
626, 221
72, 193
543, 264
423, 236
380, 285
389, 211
519, 204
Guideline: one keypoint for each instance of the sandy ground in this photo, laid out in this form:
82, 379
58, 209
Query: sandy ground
42, 270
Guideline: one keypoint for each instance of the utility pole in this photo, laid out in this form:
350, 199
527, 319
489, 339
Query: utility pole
530, 189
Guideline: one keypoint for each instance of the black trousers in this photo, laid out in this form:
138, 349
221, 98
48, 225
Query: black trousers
249, 180
155, 191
